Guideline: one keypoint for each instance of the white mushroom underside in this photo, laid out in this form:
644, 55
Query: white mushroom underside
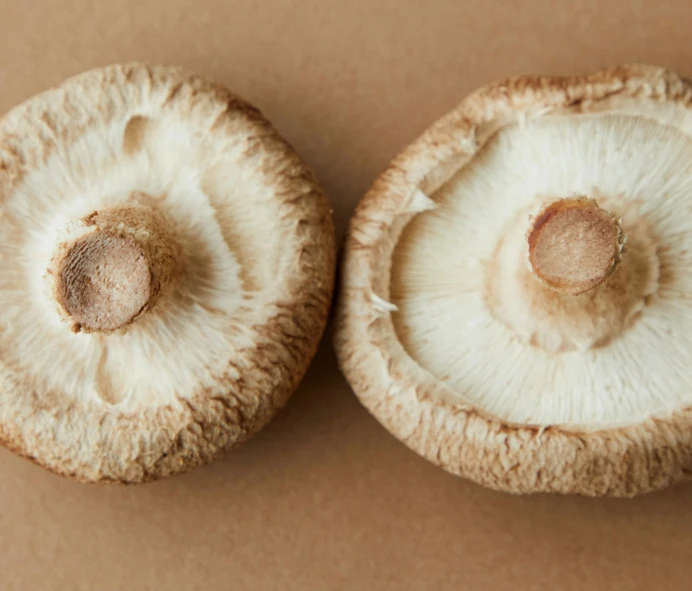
235, 240
440, 274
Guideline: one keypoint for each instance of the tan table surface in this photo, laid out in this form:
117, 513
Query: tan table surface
324, 498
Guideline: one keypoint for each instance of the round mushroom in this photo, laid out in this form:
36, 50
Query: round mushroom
516, 298
166, 271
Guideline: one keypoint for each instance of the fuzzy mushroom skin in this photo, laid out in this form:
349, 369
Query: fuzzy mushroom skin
253, 336
424, 412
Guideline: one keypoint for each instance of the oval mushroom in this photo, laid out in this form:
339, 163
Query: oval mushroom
516, 297
166, 271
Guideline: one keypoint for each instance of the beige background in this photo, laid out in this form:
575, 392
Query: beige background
324, 498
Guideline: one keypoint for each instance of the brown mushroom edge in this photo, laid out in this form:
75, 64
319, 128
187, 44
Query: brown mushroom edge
620, 273
168, 266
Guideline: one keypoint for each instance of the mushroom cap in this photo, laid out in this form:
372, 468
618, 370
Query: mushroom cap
452, 344
225, 344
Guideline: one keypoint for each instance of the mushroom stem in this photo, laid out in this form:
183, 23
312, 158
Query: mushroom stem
574, 245
110, 276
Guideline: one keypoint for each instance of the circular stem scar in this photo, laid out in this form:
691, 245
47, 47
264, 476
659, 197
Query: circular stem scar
111, 275
574, 245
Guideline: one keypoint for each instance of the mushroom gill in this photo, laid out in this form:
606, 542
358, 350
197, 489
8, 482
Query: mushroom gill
513, 289
166, 267
516, 292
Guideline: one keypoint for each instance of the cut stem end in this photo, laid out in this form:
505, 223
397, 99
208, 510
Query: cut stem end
110, 276
574, 245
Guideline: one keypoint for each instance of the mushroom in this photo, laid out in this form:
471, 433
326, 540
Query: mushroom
516, 298
166, 271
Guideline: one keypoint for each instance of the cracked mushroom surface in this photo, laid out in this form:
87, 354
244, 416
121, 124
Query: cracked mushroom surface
516, 298
166, 268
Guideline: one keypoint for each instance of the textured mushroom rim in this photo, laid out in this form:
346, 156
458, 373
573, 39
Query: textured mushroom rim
619, 460
235, 396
